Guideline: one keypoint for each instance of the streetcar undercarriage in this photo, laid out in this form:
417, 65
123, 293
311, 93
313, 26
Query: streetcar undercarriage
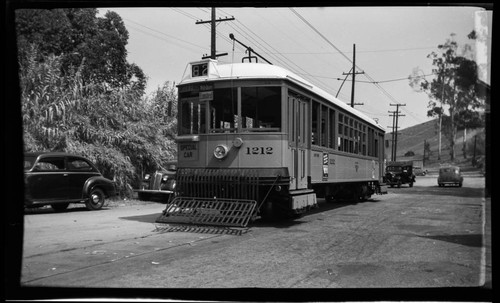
235, 197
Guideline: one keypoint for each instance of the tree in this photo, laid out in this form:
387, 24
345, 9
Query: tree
78, 36
453, 89
111, 127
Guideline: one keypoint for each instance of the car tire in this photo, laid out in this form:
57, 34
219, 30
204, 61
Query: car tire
411, 184
59, 206
96, 199
459, 184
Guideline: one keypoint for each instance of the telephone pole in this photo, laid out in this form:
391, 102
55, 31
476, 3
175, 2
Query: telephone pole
354, 73
395, 119
213, 22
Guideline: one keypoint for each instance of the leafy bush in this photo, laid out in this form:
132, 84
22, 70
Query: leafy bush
111, 126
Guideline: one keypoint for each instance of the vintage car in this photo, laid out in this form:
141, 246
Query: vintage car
450, 175
398, 173
158, 186
418, 171
58, 179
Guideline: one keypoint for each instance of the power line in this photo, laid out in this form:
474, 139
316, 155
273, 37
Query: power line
376, 83
156, 31
365, 51
371, 82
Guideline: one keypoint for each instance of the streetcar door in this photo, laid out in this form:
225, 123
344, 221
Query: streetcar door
298, 141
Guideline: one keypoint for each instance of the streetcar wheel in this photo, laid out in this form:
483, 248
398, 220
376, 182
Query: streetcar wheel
267, 212
329, 199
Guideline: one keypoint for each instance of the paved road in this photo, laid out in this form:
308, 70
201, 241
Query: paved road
425, 236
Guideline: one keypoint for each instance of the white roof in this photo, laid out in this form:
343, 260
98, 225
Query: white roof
218, 72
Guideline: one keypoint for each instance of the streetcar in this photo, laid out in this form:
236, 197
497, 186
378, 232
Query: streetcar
258, 141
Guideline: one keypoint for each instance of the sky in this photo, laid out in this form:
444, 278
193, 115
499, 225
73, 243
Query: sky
315, 43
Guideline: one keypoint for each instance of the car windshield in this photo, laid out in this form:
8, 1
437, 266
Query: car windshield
28, 162
394, 168
449, 170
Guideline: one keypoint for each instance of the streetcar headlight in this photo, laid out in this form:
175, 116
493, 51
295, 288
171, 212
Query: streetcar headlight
220, 151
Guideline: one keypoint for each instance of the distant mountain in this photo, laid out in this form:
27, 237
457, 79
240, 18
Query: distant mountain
411, 141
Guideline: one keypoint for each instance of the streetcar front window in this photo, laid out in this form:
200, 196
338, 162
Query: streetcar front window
216, 111
223, 110
261, 109
192, 116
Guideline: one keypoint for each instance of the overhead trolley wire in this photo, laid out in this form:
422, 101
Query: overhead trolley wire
376, 83
249, 33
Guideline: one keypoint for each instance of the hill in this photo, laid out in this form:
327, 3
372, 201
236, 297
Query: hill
411, 141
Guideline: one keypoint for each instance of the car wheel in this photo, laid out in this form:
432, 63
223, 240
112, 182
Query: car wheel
460, 184
96, 199
59, 206
399, 184
411, 184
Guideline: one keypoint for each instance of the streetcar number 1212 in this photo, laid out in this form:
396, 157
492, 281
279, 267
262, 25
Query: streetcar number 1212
259, 150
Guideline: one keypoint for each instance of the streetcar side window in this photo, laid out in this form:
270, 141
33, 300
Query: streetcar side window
341, 128
324, 125
364, 140
331, 121
261, 108
314, 122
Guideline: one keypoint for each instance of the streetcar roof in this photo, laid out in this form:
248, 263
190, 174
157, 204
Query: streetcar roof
241, 71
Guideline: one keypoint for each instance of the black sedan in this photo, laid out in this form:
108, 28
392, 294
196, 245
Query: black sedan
58, 179
159, 185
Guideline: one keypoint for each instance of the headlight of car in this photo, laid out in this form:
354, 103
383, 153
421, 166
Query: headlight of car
171, 184
146, 177
164, 178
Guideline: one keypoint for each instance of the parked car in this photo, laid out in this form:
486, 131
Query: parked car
418, 171
398, 173
58, 179
450, 175
158, 186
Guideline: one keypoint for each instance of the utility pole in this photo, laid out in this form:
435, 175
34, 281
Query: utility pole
213, 22
395, 120
392, 134
423, 159
354, 73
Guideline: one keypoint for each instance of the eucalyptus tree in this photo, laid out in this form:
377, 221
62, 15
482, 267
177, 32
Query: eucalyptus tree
453, 92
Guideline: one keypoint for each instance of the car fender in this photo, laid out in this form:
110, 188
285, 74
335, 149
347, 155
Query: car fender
105, 184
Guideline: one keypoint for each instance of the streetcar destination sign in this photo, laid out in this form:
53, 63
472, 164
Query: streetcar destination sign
199, 70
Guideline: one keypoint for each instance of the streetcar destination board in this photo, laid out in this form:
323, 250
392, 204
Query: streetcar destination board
199, 70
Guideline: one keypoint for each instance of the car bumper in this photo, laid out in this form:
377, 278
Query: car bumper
153, 191
450, 182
